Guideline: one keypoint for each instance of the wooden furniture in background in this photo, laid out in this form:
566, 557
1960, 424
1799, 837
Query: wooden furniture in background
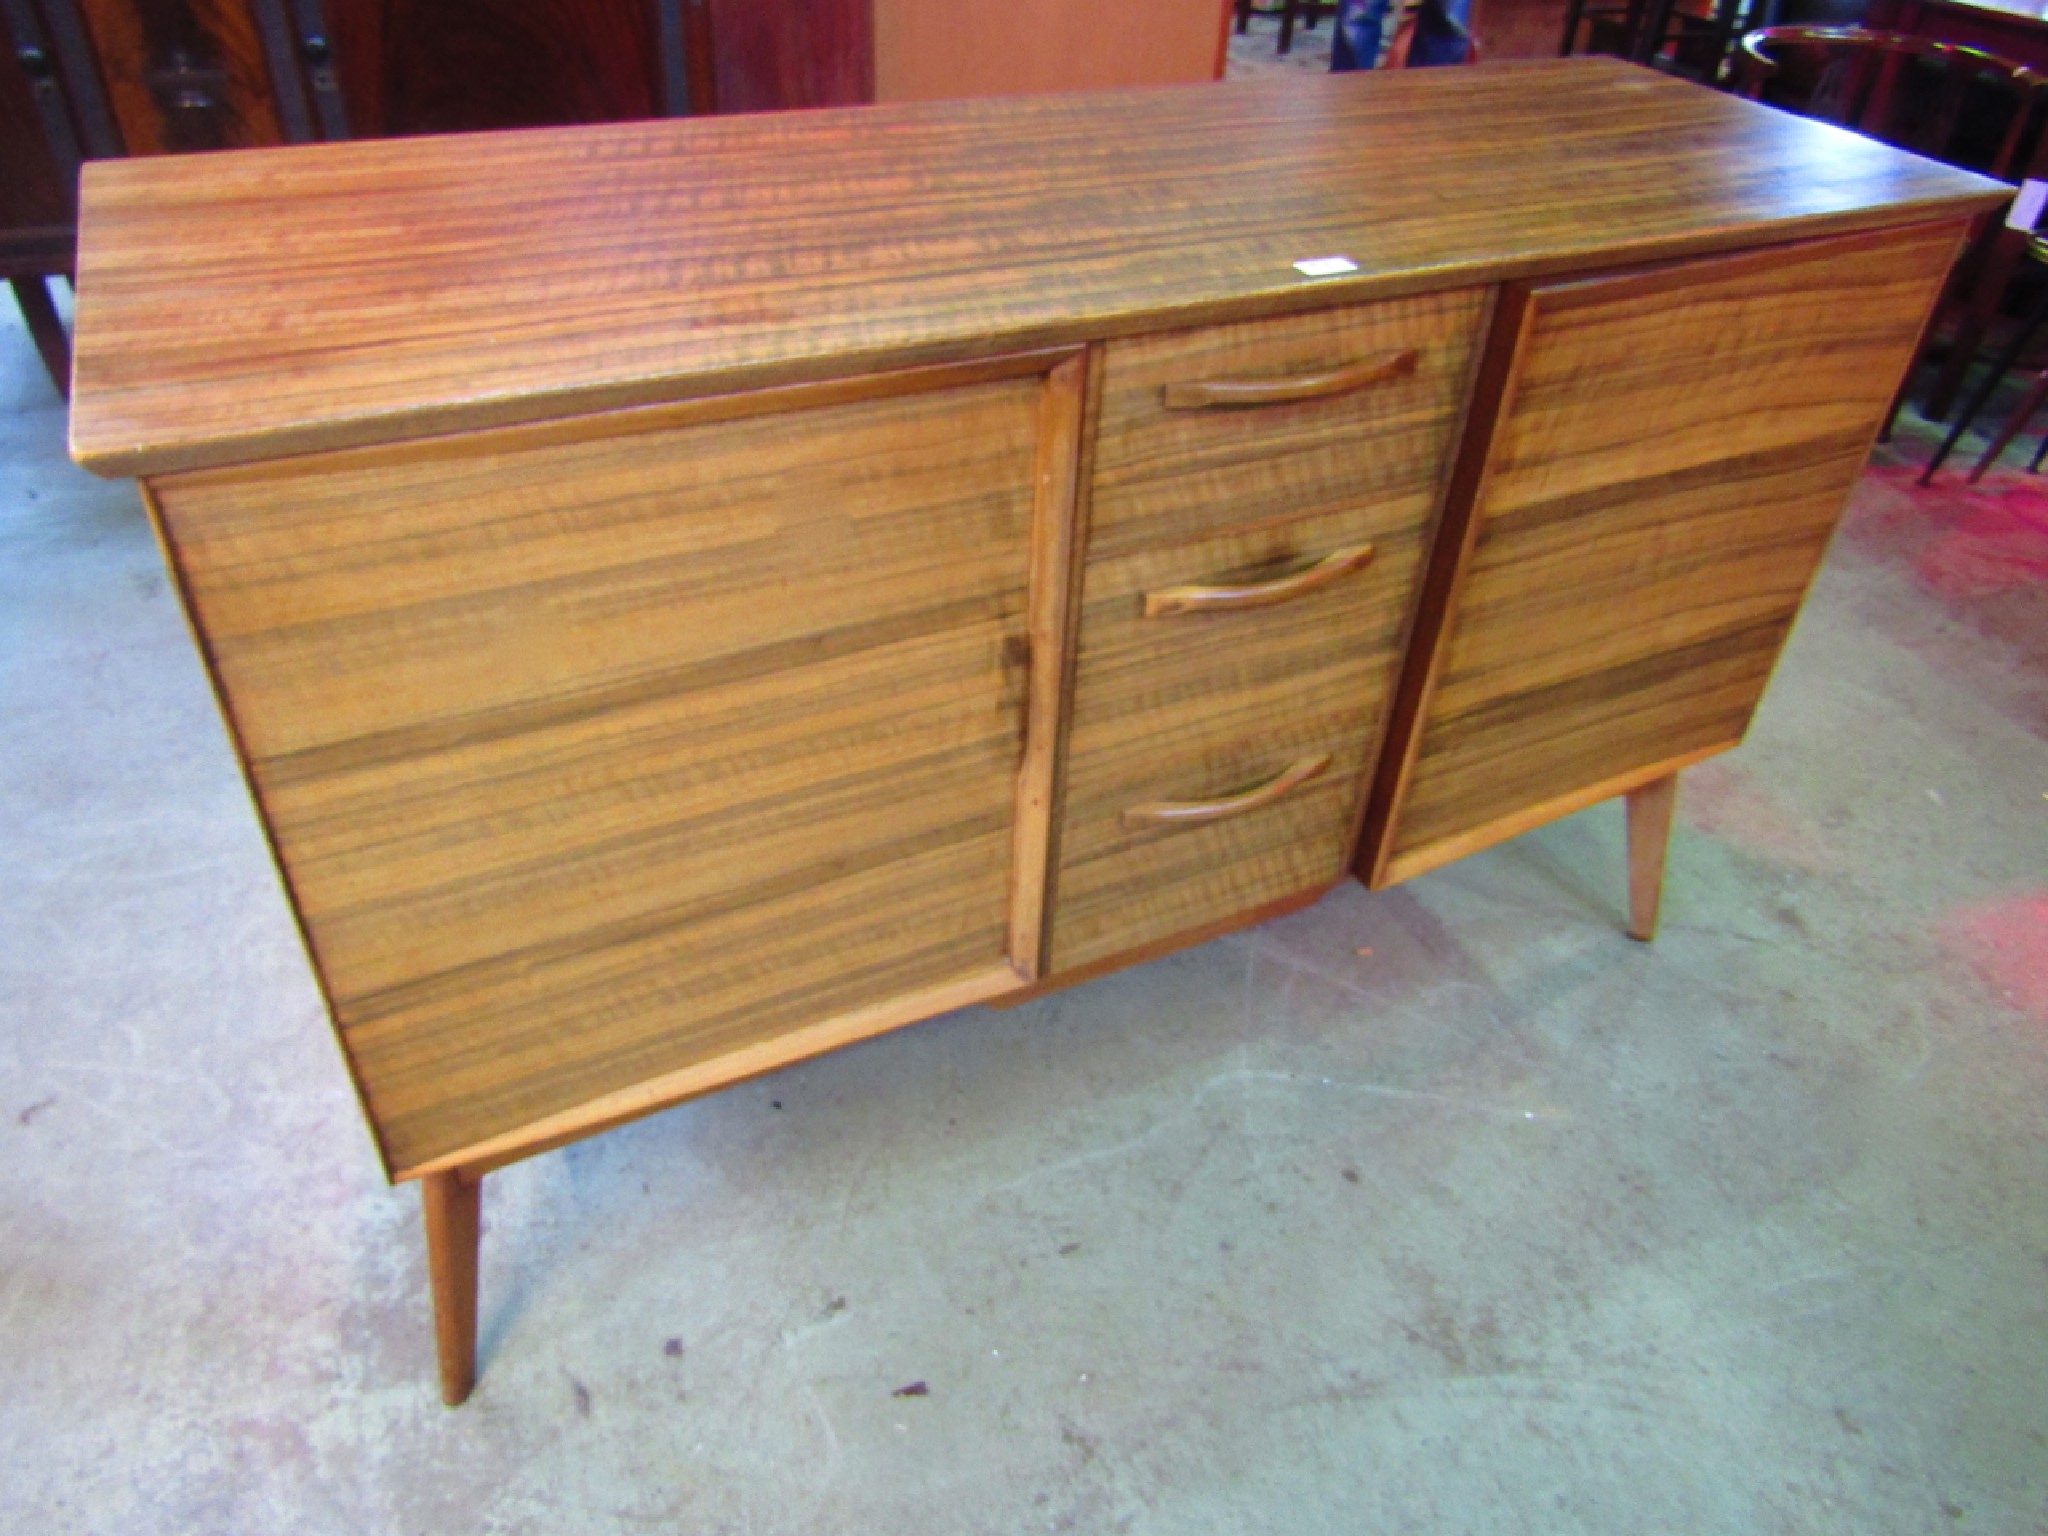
52, 115
2012, 29
2030, 403
1687, 40
930, 50
1953, 103
97, 78
1980, 395
709, 613
443, 66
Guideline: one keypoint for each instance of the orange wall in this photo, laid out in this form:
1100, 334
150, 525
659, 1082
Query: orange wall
934, 48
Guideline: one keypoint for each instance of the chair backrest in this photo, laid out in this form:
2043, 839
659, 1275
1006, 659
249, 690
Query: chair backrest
1944, 100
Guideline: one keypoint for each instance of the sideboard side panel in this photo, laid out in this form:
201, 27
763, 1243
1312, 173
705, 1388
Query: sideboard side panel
1673, 449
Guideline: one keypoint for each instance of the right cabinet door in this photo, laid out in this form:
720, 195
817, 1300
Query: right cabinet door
1627, 544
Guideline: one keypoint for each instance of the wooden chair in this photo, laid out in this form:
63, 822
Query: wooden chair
1641, 30
1987, 386
1307, 12
1949, 102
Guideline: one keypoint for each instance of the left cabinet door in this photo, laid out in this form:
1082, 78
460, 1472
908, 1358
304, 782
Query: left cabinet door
612, 759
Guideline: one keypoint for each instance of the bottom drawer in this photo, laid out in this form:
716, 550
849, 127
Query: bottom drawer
1264, 717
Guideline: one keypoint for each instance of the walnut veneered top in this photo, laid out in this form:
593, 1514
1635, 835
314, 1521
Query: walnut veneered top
251, 304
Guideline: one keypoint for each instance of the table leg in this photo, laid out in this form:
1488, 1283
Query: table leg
453, 1203
1649, 834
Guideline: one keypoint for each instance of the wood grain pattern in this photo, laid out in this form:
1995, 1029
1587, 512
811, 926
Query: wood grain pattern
1173, 943
1287, 389
595, 756
1255, 797
772, 55
183, 74
1541, 813
1052, 558
1650, 811
668, 1089
1208, 703
275, 302
1199, 705
1212, 597
451, 1205
1164, 472
441, 66
928, 50
1671, 456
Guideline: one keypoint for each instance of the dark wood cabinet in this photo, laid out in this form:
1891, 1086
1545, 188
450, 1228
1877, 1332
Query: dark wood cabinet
184, 75
93, 78
52, 116
770, 54
439, 66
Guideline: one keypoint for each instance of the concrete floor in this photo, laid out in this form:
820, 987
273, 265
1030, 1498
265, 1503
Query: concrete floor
1444, 1210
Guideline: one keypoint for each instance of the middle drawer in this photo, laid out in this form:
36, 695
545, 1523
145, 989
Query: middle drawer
1216, 758
1288, 471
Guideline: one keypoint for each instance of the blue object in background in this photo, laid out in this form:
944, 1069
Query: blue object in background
1442, 33
1356, 43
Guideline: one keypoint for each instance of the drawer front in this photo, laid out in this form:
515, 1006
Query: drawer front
1673, 450
593, 755
1175, 458
1193, 706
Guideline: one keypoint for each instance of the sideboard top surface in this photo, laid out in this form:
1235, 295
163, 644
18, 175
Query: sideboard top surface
253, 304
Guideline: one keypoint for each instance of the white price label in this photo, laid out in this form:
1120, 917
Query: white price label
1326, 266
2025, 212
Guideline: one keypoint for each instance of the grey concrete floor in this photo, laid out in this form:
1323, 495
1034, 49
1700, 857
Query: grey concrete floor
1443, 1210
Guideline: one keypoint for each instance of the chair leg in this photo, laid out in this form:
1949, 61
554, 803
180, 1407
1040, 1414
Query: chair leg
1649, 834
2014, 426
1244, 16
1654, 20
453, 1205
1287, 14
45, 329
1973, 318
1984, 390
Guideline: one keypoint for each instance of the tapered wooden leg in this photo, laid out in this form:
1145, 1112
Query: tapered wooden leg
453, 1203
1649, 834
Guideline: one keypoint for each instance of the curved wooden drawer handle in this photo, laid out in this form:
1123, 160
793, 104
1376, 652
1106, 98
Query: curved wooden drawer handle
1200, 394
1334, 566
1187, 813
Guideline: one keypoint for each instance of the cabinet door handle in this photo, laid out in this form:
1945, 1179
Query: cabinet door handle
1334, 566
1201, 394
1188, 813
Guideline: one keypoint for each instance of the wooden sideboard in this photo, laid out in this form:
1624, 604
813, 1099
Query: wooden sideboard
728, 588
97, 78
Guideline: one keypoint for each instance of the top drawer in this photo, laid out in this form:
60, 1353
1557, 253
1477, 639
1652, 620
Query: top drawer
1383, 385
